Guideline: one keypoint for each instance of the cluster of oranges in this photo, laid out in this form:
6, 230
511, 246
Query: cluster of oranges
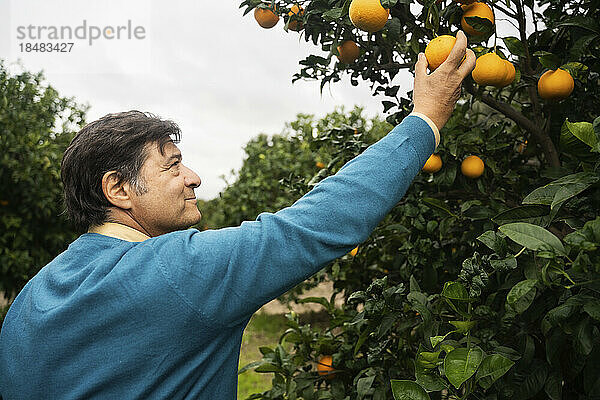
366, 15
490, 70
471, 167
267, 16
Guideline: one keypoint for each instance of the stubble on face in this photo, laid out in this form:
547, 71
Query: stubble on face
169, 203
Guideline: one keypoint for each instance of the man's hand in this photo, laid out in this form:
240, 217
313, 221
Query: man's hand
436, 94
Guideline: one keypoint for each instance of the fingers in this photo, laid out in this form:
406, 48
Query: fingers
421, 66
468, 64
458, 51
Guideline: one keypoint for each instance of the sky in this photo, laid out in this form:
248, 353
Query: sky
216, 73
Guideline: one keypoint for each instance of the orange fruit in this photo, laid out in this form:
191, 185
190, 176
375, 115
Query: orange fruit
438, 50
325, 367
433, 164
490, 69
319, 164
354, 251
368, 15
476, 9
296, 13
266, 17
510, 74
472, 167
348, 52
555, 85
3, 203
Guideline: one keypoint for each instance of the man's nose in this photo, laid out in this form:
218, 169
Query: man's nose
191, 178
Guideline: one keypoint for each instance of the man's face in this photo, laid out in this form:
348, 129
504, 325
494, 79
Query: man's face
169, 203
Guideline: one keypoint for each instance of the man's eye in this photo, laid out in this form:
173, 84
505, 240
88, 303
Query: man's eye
176, 163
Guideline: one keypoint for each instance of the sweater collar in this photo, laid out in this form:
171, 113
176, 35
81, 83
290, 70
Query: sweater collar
119, 231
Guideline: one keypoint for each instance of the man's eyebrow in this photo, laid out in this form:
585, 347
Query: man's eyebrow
175, 156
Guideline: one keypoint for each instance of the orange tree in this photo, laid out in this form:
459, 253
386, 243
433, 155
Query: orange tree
481, 283
36, 126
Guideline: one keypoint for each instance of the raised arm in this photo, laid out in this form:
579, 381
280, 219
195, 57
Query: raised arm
230, 273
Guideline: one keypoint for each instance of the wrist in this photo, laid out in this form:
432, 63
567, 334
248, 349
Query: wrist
434, 127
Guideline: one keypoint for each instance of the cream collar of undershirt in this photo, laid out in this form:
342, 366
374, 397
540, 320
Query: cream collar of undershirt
119, 231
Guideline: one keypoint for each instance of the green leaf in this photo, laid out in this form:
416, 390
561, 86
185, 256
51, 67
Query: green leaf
521, 295
264, 350
548, 60
426, 371
560, 190
408, 390
514, 45
596, 125
533, 214
532, 237
576, 69
533, 383
457, 297
491, 369
462, 326
494, 241
553, 386
435, 340
388, 3
333, 14
504, 264
363, 386
361, 339
573, 133
318, 300
583, 339
439, 205
455, 291
482, 25
268, 367
460, 364
249, 366
475, 213
593, 309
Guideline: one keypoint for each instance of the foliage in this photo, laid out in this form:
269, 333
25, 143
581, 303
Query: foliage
432, 301
36, 126
481, 288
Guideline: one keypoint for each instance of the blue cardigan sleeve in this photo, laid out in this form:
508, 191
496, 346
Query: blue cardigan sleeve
226, 275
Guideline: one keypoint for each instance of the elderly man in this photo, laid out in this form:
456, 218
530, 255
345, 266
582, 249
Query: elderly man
140, 306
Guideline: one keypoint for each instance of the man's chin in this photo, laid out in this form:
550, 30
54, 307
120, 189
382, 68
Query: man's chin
194, 220
187, 224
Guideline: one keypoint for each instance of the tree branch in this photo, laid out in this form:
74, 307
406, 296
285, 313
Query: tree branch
505, 11
392, 66
535, 129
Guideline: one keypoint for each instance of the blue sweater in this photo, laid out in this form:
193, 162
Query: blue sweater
163, 318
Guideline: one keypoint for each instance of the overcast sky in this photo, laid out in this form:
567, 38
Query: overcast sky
216, 73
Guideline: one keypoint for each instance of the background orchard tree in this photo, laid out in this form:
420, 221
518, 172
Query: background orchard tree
36, 126
474, 288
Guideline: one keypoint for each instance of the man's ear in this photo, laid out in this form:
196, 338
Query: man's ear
116, 190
